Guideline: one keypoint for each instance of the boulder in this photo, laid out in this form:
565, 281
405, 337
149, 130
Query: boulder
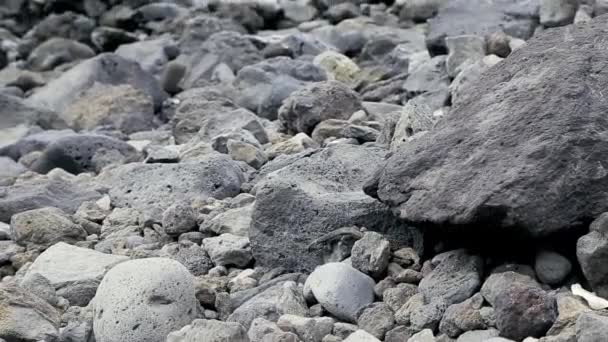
479, 17
341, 289
26, 317
144, 300
57, 51
151, 55
490, 161
42, 228
151, 188
455, 278
308, 329
74, 272
40, 193
591, 251
228, 48
557, 12
84, 153
122, 107
106, 68
522, 308
552, 268
209, 331
16, 112
317, 102
591, 327
228, 250
371, 254
274, 302
263, 86
320, 192
209, 118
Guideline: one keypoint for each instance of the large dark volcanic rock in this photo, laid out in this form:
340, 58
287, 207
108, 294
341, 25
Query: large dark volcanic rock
526, 148
315, 195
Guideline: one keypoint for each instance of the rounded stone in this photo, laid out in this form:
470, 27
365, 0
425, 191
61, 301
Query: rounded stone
341, 289
143, 301
552, 268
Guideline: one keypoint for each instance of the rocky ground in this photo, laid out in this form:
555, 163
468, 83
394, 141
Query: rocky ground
303, 171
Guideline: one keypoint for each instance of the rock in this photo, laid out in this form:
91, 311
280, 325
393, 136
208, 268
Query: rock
428, 316
500, 280
229, 48
600, 7
361, 336
228, 250
442, 151
420, 9
122, 107
263, 86
84, 153
106, 68
377, 319
200, 27
57, 51
208, 119
307, 329
261, 327
137, 185
591, 327
209, 331
590, 250
397, 296
469, 75
319, 193
248, 153
179, 218
9, 169
425, 335
429, 82
317, 102
337, 66
108, 39
33, 194
144, 300
413, 119
172, 76
276, 301
151, 55
189, 254
552, 268
455, 278
478, 335
299, 10
498, 44
17, 115
26, 317
521, 307
462, 317
8, 249
234, 221
557, 13
67, 25
341, 289
462, 48
71, 269
44, 227
296, 144
371, 254
516, 18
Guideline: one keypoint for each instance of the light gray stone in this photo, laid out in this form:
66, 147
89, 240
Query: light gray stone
341, 289
228, 250
209, 331
144, 300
